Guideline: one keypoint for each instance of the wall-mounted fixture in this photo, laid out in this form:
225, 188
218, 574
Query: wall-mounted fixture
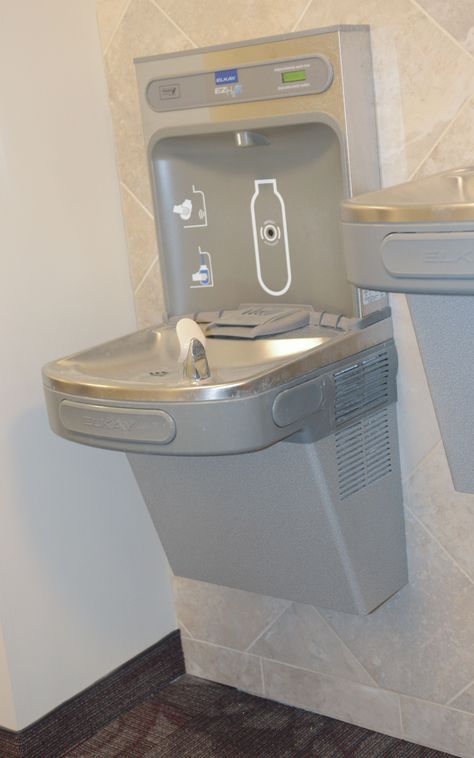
261, 427
418, 238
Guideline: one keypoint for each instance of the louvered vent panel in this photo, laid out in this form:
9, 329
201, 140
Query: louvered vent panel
361, 387
363, 453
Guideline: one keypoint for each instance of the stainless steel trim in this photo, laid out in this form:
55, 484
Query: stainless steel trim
336, 347
447, 196
247, 138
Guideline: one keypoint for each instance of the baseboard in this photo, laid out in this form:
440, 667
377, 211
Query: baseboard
80, 717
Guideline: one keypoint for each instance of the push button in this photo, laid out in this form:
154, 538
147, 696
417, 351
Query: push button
109, 422
298, 402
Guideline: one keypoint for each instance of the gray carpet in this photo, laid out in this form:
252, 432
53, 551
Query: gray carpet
192, 718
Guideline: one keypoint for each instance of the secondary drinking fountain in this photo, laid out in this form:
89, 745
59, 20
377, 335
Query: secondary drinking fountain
418, 238
259, 413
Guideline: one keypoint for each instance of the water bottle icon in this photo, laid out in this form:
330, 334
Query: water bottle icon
270, 238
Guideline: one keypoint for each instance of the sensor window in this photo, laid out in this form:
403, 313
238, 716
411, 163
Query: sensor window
293, 76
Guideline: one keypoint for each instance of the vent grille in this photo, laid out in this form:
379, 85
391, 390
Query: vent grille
362, 387
363, 453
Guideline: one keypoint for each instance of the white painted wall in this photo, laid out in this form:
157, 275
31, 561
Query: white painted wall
84, 582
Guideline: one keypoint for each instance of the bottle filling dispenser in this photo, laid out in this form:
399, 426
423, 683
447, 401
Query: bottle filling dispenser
259, 415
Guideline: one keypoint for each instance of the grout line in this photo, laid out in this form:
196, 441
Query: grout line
402, 728
325, 674
442, 548
262, 676
436, 704
426, 743
387, 690
139, 202
156, 4
458, 694
425, 458
155, 260
441, 137
268, 626
106, 48
442, 29
331, 629
224, 647
301, 16
184, 628
292, 666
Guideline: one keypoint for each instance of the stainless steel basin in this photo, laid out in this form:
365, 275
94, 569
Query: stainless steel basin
131, 393
144, 366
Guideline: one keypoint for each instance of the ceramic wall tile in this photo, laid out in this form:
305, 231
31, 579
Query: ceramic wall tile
224, 616
448, 514
456, 147
417, 424
214, 22
183, 629
456, 17
464, 701
224, 666
438, 726
109, 14
303, 638
149, 301
421, 76
144, 31
339, 698
141, 238
420, 641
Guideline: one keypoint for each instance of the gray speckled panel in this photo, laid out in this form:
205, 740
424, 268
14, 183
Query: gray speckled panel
443, 327
272, 522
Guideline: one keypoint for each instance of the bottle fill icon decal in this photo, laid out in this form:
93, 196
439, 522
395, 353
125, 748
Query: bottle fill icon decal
203, 277
270, 238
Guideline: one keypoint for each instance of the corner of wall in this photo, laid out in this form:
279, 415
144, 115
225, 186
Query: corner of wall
8, 719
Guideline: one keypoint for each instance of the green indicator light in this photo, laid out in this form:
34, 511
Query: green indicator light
293, 76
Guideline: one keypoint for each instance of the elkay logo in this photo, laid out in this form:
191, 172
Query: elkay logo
107, 422
229, 76
439, 256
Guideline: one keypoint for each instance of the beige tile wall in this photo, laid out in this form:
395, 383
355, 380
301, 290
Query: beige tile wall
408, 668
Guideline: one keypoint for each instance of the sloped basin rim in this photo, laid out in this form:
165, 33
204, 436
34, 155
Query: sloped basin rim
143, 366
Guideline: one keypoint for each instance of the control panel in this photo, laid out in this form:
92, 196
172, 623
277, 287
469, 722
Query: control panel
264, 81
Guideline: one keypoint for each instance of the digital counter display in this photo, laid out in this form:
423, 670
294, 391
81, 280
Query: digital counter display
288, 77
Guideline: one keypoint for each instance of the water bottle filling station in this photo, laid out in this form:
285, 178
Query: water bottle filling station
259, 414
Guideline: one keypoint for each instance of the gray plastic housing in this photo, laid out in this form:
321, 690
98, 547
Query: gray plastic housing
443, 326
250, 194
413, 237
423, 258
316, 518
